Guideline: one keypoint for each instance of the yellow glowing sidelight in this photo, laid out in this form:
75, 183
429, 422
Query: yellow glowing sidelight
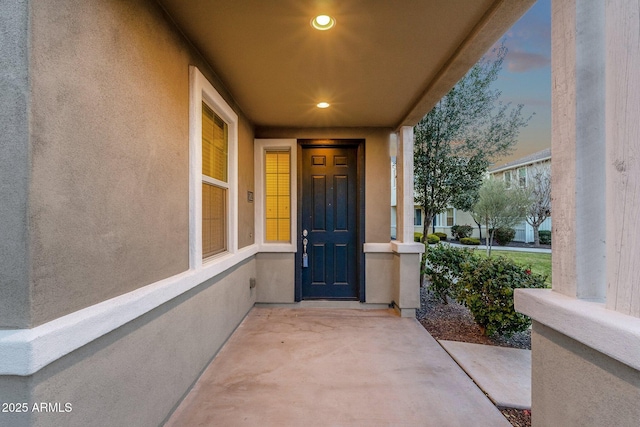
322, 105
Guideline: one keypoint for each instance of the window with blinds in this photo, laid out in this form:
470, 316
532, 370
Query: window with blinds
214, 182
277, 196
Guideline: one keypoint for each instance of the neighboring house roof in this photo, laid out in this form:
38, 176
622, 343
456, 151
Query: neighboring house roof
540, 156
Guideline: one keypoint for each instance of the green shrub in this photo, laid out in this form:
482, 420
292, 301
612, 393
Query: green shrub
443, 266
417, 237
486, 288
441, 236
545, 237
461, 231
504, 235
432, 238
469, 241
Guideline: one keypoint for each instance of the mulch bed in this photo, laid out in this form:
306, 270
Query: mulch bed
454, 322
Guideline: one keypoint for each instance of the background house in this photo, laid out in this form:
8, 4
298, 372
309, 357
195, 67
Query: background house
513, 173
518, 172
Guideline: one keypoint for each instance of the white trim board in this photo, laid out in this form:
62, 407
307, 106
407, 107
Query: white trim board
24, 352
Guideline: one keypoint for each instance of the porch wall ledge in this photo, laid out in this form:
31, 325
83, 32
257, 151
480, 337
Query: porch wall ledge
394, 246
24, 352
614, 334
407, 248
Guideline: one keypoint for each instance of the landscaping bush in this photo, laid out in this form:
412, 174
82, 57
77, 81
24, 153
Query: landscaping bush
469, 241
441, 236
432, 238
504, 235
545, 237
486, 288
461, 231
417, 237
443, 266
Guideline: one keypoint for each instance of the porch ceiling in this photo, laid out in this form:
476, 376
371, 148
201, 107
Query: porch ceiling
384, 64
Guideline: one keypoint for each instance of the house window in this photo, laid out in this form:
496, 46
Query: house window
450, 217
215, 184
417, 218
213, 198
277, 171
522, 177
276, 203
507, 179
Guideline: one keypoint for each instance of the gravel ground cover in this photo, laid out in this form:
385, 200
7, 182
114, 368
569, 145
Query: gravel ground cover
454, 322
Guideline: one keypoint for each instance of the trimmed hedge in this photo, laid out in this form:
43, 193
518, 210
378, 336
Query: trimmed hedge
432, 239
417, 237
461, 231
442, 236
504, 235
545, 237
469, 241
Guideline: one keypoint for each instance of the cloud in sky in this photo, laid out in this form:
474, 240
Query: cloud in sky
520, 61
529, 40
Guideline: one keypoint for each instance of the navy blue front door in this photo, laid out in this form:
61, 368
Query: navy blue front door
329, 214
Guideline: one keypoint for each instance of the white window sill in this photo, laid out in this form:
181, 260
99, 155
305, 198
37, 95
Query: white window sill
615, 334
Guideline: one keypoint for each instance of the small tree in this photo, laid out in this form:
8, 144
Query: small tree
539, 189
459, 138
499, 206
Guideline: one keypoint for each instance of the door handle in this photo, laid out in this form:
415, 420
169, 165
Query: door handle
305, 257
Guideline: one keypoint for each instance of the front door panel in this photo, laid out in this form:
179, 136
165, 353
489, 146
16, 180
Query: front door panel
329, 214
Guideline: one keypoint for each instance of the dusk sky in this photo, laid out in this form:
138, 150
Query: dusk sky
526, 77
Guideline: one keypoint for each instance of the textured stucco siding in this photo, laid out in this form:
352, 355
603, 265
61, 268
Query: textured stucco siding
14, 164
575, 385
109, 190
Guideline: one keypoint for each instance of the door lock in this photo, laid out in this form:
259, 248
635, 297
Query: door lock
305, 257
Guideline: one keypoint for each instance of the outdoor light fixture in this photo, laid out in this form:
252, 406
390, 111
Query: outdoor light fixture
322, 105
323, 22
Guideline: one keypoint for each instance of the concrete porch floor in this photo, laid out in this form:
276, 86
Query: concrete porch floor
333, 367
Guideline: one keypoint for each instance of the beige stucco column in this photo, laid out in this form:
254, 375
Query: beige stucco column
406, 252
586, 331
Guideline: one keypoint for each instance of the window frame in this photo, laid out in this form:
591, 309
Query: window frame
201, 90
507, 181
522, 177
261, 147
417, 217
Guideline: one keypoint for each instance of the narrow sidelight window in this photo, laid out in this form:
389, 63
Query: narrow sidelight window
277, 208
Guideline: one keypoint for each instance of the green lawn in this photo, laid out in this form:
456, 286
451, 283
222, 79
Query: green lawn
539, 262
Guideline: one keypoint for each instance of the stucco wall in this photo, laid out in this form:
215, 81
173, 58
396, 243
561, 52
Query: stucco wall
275, 274
137, 374
109, 206
379, 274
574, 385
14, 161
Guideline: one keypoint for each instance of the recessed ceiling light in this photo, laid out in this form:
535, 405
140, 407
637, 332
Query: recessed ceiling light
323, 22
322, 105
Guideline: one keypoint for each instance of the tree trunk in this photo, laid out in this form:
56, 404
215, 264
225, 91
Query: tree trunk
536, 236
489, 241
423, 260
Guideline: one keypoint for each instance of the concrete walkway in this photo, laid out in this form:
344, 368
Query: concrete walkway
503, 373
334, 367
